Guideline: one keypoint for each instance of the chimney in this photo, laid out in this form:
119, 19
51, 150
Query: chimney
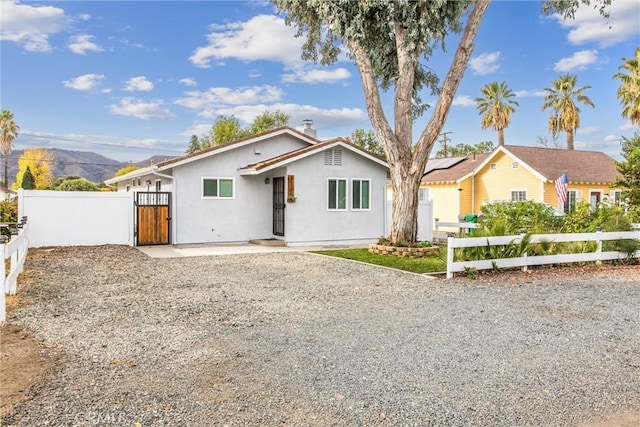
307, 127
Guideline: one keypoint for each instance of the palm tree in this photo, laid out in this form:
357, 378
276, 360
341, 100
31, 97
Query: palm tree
565, 114
496, 107
9, 132
629, 90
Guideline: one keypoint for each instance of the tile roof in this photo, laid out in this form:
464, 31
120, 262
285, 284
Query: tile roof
580, 166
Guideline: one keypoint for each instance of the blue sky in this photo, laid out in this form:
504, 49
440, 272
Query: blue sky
130, 79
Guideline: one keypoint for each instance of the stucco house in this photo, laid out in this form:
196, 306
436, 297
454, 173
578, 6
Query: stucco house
461, 185
283, 184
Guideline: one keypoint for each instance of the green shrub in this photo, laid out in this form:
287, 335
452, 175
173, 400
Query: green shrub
77, 184
510, 218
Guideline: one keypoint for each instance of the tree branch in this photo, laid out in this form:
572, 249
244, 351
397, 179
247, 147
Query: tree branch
451, 83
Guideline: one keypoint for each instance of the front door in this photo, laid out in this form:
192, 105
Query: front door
278, 206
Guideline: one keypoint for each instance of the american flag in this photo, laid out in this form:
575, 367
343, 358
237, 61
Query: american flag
562, 188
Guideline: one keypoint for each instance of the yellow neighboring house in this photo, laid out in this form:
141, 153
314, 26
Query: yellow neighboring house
462, 185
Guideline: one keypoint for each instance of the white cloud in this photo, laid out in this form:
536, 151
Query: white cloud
31, 26
588, 130
81, 43
217, 96
590, 27
197, 130
525, 93
485, 63
142, 110
463, 101
315, 75
322, 118
84, 16
188, 81
263, 37
626, 126
138, 84
86, 82
254, 74
578, 61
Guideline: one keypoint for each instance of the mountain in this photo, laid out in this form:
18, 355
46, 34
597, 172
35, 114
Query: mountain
86, 164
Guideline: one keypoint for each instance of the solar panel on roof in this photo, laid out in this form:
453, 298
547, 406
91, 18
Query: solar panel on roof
442, 163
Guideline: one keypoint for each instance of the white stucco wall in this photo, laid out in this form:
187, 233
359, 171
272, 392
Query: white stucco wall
70, 218
308, 221
247, 216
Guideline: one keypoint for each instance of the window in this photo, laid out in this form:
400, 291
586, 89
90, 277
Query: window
494, 166
518, 195
133, 182
360, 195
139, 182
514, 165
337, 194
422, 194
158, 184
128, 188
570, 204
217, 188
617, 198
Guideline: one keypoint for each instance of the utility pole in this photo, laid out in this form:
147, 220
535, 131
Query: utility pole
444, 141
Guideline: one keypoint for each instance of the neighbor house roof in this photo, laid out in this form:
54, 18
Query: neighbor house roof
450, 172
547, 163
580, 166
274, 162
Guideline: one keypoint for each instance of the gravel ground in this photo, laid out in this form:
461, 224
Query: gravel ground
300, 339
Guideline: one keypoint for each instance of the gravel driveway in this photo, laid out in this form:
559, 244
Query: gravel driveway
301, 339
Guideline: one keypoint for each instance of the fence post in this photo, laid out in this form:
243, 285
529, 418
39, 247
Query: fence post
599, 242
450, 256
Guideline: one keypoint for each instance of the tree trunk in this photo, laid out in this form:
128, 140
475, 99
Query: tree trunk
407, 167
501, 136
569, 140
6, 169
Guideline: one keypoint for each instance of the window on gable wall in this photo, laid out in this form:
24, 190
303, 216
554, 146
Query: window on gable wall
360, 194
518, 195
158, 184
337, 194
514, 165
494, 166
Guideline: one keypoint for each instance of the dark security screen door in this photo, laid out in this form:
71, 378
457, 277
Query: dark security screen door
278, 206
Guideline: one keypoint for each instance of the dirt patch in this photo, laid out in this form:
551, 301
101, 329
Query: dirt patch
621, 419
21, 363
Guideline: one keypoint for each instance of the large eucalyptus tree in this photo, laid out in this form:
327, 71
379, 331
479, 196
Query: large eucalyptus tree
387, 39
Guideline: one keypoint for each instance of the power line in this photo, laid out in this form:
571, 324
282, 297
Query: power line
98, 143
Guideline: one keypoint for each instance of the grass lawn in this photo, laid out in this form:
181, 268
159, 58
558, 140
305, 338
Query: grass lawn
415, 265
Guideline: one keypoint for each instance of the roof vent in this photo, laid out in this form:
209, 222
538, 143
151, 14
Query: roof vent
307, 127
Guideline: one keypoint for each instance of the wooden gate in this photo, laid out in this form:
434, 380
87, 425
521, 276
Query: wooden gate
153, 218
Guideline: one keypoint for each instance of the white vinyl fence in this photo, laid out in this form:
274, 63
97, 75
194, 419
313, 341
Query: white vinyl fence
525, 260
16, 251
77, 218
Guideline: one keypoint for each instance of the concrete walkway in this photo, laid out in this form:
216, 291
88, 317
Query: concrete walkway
169, 251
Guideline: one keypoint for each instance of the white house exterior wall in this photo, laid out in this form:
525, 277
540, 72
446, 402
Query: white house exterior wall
309, 222
248, 215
